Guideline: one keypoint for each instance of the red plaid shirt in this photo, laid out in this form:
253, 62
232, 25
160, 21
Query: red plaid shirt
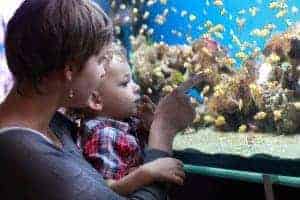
111, 147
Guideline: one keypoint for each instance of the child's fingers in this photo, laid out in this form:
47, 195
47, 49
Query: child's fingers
178, 177
180, 173
147, 100
150, 107
177, 180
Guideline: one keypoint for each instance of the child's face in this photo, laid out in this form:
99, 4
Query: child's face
120, 95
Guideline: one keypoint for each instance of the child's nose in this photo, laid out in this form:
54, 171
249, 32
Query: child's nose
137, 88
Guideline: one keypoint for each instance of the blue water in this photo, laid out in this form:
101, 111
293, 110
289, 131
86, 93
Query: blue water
203, 12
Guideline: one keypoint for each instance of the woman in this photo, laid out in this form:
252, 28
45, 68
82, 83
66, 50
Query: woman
56, 52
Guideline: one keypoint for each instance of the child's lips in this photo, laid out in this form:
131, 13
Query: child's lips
138, 100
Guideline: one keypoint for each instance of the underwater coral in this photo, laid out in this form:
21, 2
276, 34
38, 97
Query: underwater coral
261, 96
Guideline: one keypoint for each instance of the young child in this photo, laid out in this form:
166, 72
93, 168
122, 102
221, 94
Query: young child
112, 140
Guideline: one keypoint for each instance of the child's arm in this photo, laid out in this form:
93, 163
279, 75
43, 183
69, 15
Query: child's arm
164, 170
131, 182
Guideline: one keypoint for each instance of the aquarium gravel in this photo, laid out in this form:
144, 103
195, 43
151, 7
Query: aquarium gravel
213, 142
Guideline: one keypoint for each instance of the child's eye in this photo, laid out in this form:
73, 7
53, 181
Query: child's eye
124, 84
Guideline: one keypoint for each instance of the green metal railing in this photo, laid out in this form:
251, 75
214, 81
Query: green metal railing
246, 176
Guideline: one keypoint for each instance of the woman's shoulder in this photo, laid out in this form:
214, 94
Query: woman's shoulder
23, 140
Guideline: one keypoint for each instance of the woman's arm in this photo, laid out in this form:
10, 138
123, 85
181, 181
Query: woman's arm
35, 169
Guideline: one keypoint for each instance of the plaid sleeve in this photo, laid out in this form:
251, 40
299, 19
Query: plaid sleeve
111, 151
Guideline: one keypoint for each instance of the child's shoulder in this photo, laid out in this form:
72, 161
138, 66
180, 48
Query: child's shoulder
104, 125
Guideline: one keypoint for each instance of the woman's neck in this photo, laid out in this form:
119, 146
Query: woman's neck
31, 111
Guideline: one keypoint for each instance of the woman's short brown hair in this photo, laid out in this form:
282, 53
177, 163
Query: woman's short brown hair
44, 35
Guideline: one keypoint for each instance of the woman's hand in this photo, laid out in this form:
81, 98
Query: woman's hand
164, 170
173, 114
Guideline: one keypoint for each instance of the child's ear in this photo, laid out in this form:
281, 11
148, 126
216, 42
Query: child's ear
95, 102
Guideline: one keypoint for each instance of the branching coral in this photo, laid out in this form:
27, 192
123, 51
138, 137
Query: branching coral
259, 97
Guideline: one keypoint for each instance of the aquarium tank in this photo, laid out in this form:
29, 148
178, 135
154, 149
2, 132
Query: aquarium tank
247, 54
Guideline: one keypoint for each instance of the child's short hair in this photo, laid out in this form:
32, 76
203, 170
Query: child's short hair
116, 51
44, 35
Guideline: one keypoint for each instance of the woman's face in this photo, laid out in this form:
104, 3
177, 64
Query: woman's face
86, 80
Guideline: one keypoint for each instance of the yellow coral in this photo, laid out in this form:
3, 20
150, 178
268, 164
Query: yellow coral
277, 115
255, 89
206, 51
256, 93
219, 90
229, 62
273, 58
242, 128
220, 121
260, 116
209, 119
167, 89
197, 118
158, 73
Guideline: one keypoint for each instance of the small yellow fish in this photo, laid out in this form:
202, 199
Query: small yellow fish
209, 119
220, 121
281, 13
274, 5
277, 115
164, 2
253, 11
241, 12
260, 116
223, 12
240, 22
146, 15
192, 17
260, 33
241, 55
273, 58
218, 3
183, 13
160, 19
242, 128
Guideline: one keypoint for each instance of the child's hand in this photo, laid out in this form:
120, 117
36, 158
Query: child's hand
175, 111
165, 170
145, 113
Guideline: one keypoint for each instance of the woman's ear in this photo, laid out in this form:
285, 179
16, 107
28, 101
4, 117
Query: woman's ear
95, 102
